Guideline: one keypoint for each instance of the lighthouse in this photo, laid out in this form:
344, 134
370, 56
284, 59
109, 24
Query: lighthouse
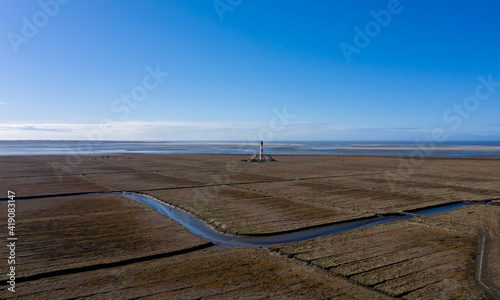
261, 150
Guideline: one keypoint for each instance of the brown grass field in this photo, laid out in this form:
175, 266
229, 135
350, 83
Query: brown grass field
77, 245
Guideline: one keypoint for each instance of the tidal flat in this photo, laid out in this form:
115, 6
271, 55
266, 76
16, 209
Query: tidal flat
75, 240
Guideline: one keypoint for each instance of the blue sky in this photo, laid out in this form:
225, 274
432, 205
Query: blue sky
243, 70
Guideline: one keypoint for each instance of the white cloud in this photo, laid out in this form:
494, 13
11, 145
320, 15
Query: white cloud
183, 131
129, 131
3, 102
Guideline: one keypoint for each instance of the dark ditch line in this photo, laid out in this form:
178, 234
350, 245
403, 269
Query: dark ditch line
403, 294
330, 272
67, 174
255, 182
185, 187
179, 187
390, 265
376, 286
59, 195
102, 266
358, 260
93, 173
363, 272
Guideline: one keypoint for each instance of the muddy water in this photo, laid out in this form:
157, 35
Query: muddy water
208, 232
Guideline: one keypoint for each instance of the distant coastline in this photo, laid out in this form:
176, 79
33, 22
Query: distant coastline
454, 149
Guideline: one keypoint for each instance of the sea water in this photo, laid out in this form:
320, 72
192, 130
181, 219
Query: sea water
248, 148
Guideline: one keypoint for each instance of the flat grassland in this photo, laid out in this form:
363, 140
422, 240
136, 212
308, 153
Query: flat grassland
74, 244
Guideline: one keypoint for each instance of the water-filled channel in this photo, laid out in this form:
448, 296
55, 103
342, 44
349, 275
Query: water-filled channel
204, 230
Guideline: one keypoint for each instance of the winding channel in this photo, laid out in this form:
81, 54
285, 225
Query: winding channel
206, 231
